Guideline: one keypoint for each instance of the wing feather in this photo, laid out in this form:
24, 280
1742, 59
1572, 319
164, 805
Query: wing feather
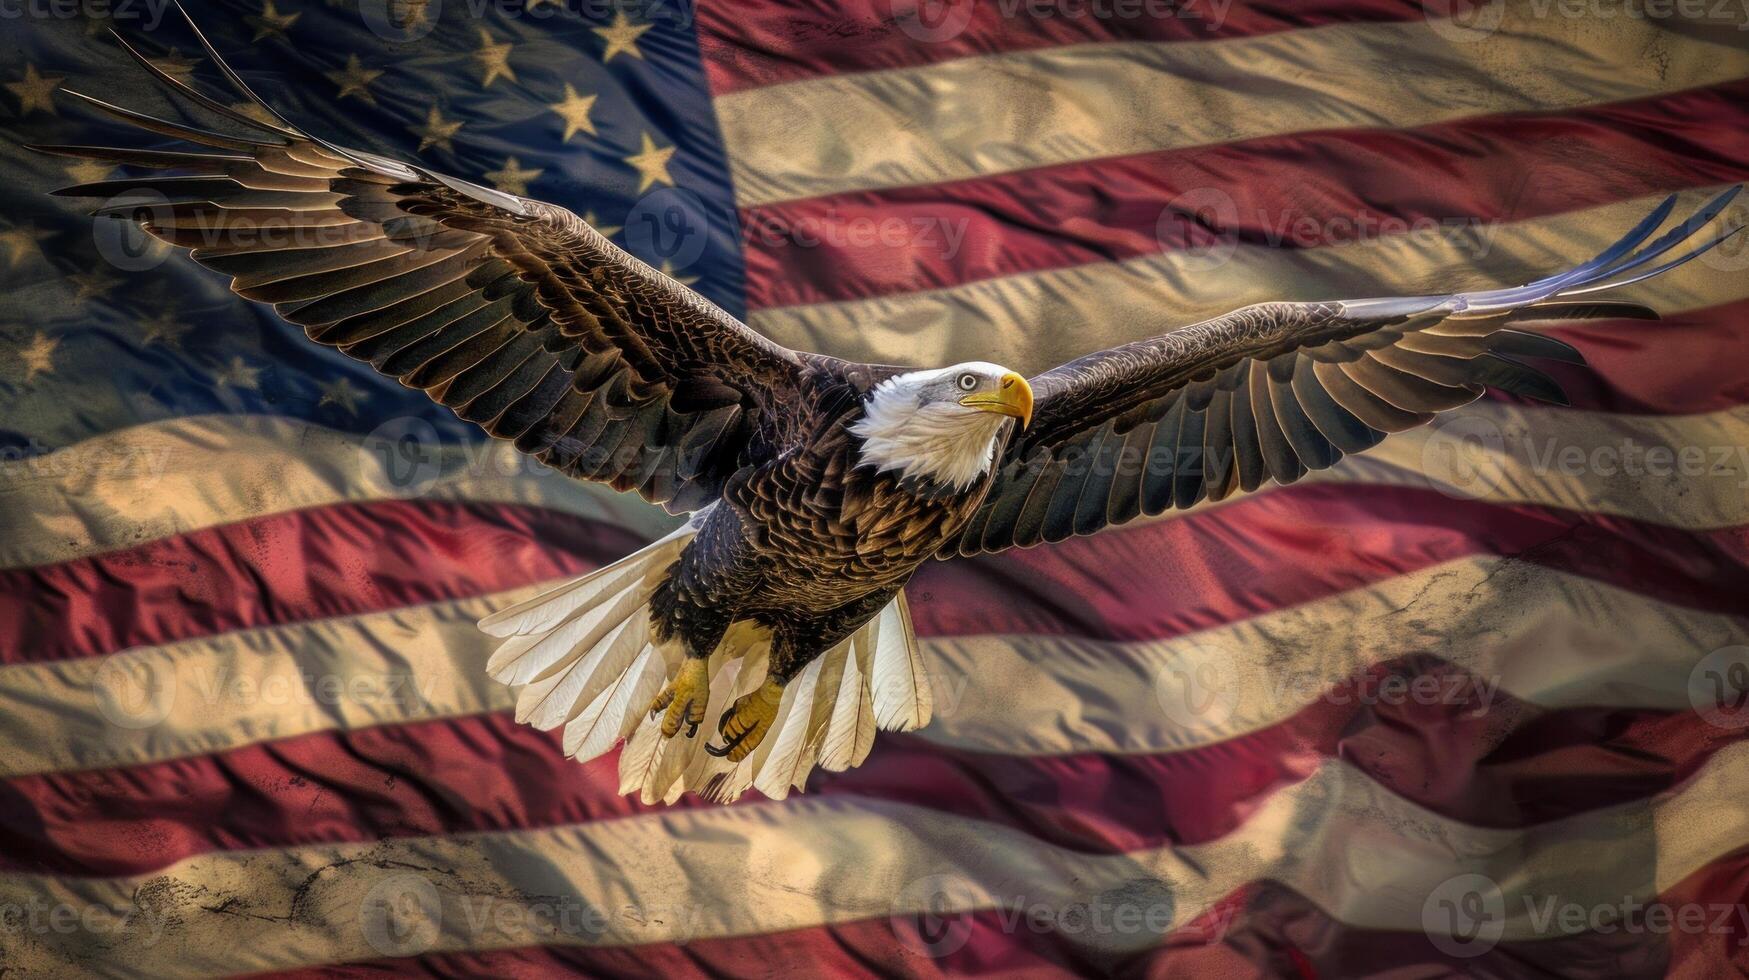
1309, 445
1163, 466
1124, 498
1274, 391
1344, 430
1247, 442
1217, 463
514, 313
1282, 463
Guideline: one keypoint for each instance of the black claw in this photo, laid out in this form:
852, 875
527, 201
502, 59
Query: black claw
730, 746
691, 729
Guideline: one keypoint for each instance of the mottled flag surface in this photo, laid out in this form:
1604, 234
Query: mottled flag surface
1471, 704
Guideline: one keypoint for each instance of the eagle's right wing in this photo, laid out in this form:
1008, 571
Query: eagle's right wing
514, 313
1272, 391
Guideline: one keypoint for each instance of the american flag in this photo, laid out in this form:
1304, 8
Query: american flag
1470, 704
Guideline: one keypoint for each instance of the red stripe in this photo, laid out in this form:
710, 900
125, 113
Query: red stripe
1265, 931
1299, 544
750, 43
1274, 931
1486, 761
1690, 363
299, 565
1722, 886
1299, 190
1260, 554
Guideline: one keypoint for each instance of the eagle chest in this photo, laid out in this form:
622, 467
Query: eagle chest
835, 524
890, 521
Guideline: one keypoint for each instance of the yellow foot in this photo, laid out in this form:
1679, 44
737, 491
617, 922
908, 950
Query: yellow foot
746, 724
685, 698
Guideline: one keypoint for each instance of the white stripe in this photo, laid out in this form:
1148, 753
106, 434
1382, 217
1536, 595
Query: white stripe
1548, 638
998, 113
153, 480
1687, 471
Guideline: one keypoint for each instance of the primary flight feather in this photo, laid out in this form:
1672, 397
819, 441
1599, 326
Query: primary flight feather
816, 486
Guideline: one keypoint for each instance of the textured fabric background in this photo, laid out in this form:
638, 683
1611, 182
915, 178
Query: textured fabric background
1472, 704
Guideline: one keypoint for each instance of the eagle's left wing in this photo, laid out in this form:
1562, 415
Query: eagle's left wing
514, 313
1274, 390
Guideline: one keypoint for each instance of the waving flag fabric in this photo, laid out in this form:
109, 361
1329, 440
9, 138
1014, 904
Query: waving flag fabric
1471, 704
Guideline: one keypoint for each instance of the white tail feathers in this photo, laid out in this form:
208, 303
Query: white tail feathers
583, 657
541, 613
851, 731
903, 700
829, 712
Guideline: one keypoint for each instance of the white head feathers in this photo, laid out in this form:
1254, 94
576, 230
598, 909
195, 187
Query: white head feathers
915, 424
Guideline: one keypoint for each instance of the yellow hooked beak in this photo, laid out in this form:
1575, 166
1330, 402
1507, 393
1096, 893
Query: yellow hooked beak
1012, 397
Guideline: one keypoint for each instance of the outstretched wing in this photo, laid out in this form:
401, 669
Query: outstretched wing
514, 313
1275, 390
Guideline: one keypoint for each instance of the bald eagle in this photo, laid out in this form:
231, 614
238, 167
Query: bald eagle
815, 486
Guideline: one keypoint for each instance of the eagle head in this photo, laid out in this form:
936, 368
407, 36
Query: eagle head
942, 425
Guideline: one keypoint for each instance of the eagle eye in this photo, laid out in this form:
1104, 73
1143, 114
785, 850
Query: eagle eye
968, 381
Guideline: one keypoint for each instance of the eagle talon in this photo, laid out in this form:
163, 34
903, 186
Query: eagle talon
722, 750
746, 724
684, 698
